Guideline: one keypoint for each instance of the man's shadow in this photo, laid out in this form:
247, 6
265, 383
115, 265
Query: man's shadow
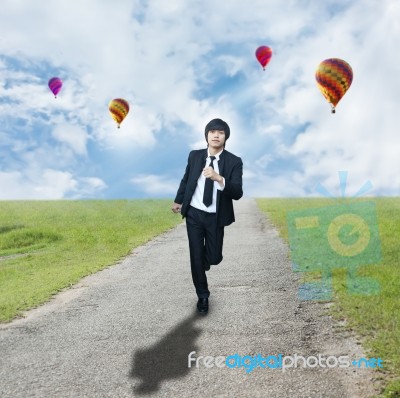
167, 359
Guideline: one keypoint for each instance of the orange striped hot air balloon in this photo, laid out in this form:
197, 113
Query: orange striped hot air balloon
118, 108
334, 77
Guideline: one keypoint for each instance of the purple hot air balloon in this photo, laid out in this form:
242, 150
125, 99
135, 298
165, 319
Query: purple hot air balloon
55, 85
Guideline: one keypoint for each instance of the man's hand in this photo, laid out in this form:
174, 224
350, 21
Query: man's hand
176, 207
209, 172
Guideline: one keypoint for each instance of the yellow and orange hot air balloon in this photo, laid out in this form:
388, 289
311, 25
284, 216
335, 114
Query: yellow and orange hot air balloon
334, 77
118, 108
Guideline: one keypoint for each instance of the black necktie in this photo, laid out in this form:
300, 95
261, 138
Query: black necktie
209, 187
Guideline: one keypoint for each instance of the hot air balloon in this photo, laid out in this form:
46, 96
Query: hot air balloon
334, 77
263, 54
55, 85
118, 108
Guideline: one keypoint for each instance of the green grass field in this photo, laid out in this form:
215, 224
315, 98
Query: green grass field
375, 317
46, 246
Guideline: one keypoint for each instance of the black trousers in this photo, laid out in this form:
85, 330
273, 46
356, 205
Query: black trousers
205, 245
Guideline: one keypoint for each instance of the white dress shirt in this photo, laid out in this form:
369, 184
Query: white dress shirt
197, 198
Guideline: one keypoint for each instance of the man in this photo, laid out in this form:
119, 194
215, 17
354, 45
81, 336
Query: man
213, 177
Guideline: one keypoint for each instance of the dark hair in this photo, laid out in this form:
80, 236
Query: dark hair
218, 124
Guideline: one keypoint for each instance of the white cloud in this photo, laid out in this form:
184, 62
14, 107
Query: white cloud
47, 184
88, 187
156, 184
232, 65
263, 161
73, 136
266, 186
51, 184
94, 183
271, 130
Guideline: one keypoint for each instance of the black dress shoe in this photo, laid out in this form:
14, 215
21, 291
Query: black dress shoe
202, 305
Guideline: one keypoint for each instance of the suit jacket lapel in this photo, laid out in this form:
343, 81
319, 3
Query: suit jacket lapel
221, 167
221, 163
199, 165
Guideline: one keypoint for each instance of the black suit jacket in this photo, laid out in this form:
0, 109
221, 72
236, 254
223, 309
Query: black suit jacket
230, 167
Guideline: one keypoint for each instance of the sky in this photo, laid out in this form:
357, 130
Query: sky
179, 64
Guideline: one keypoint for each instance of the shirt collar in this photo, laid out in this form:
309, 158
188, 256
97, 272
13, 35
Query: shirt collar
216, 156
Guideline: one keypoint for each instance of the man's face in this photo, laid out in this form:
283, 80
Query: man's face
216, 139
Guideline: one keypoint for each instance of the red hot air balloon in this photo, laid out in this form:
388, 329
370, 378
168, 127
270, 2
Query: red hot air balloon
55, 85
263, 55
